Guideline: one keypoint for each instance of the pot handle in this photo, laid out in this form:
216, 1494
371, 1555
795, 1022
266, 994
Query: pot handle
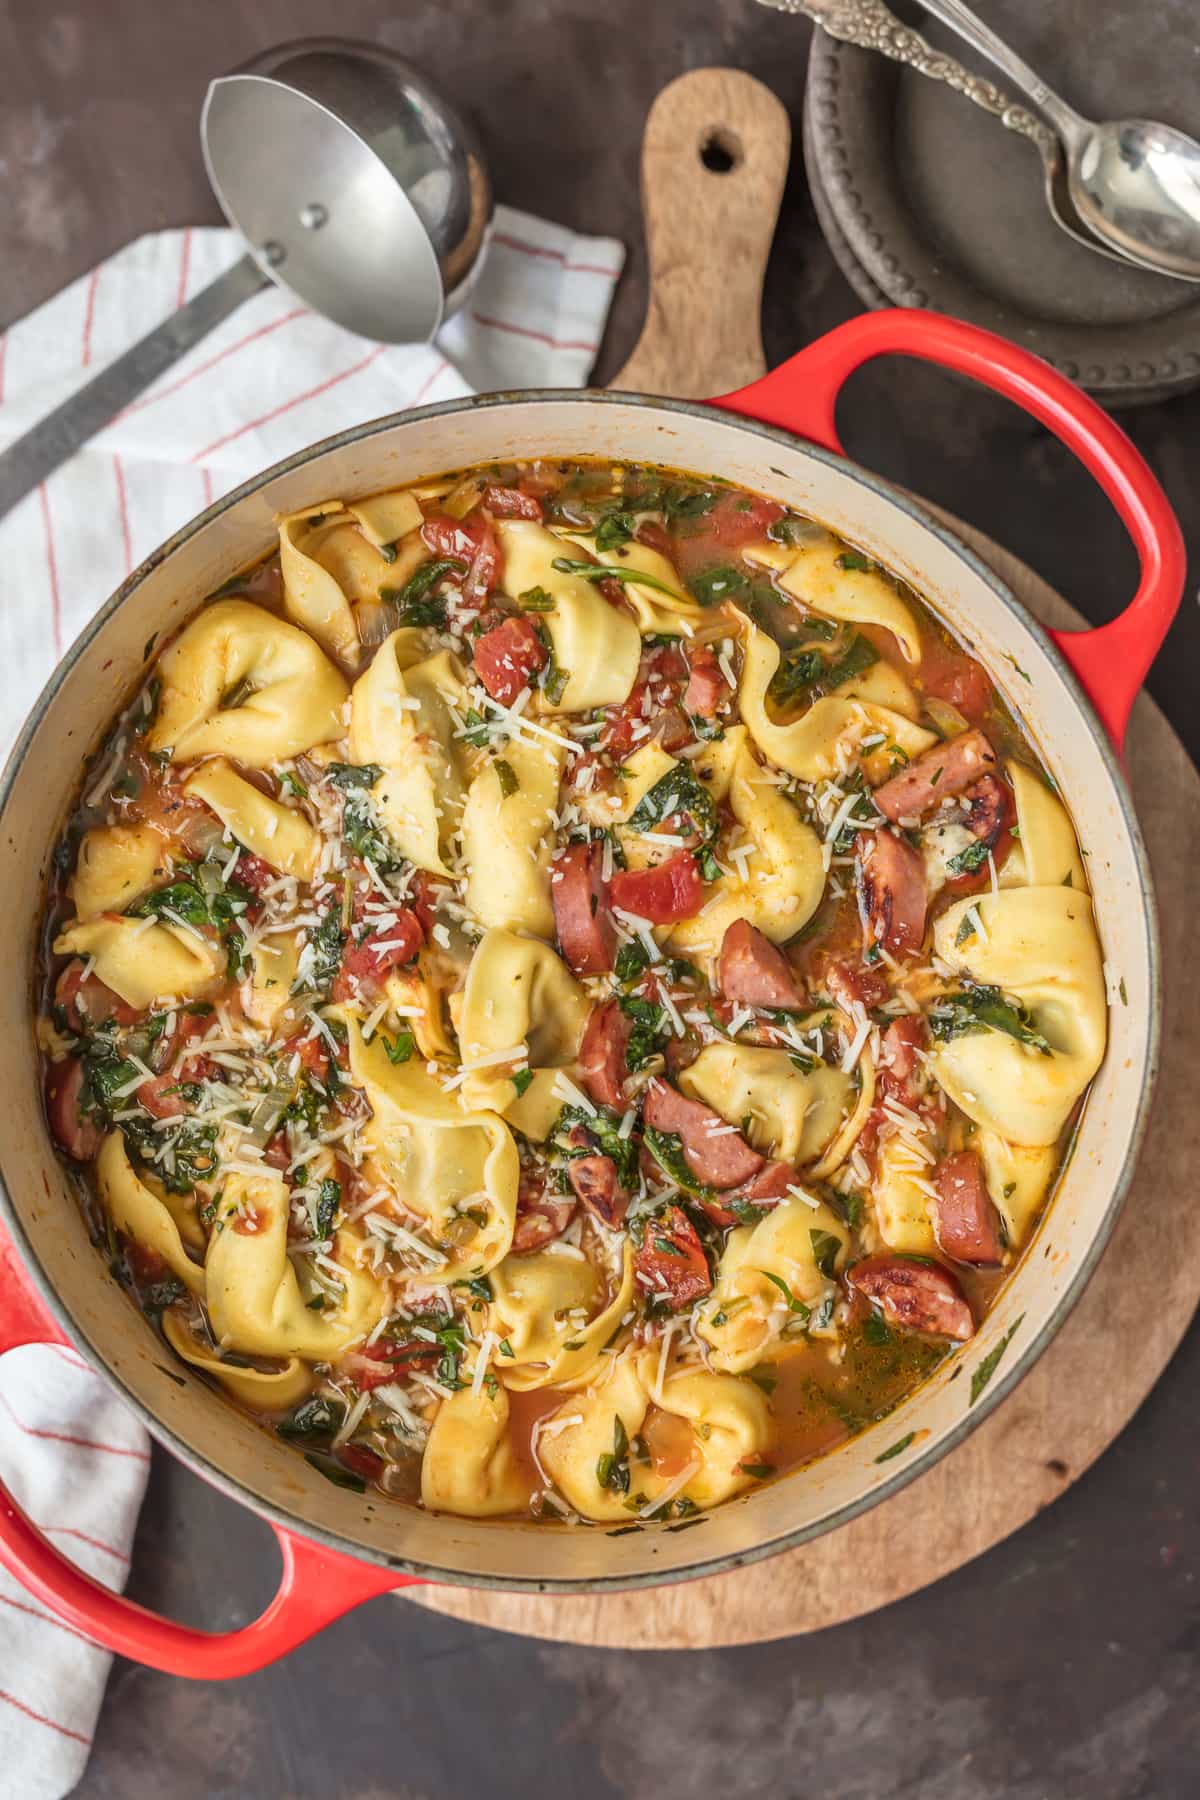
1111, 660
316, 1585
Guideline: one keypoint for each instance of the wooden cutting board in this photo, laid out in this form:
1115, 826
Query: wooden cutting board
1123, 1332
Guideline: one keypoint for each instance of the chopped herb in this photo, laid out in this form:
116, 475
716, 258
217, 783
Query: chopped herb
505, 1348
970, 860
980, 1008
788, 530
712, 587
677, 793
521, 1080
688, 503
479, 1289
326, 941
649, 1030
966, 928
1121, 991
334, 1471
632, 959
536, 599
710, 868
329, 1200
825, 1248
614, 529
761, 1471
875, 1329
853, 559
478, 730
313, 1418
603, 1128
400, 1048
793, 1305
506, 775
554, 680
897, 1448
590, 571
292, 784
809, 674
612, 1469
415, 604
666, 1147
987, 1368
352, 775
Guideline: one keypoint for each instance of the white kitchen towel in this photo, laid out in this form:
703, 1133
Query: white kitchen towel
76, 1460
269, 380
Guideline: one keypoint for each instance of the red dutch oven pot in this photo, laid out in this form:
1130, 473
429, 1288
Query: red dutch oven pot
778, 437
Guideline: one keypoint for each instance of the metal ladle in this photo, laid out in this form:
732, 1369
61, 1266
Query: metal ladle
358, 189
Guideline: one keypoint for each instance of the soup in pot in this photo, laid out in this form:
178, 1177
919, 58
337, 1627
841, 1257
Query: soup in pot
568, 991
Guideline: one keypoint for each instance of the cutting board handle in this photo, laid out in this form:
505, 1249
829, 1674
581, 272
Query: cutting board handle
714, 162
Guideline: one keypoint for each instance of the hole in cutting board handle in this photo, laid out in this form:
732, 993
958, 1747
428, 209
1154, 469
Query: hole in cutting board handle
720, 150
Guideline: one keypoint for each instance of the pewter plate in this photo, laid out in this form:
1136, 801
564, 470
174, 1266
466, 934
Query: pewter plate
927, 201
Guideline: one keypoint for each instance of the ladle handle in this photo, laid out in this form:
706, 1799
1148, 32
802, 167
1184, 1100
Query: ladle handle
714, 161
69, 427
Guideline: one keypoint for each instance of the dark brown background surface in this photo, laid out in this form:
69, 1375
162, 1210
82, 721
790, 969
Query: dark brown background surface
1065, 1662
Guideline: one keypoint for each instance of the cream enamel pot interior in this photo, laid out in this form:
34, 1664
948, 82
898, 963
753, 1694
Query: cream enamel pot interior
776, 437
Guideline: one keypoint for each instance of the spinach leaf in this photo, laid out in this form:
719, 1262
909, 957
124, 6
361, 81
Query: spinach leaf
614, 528
313, 1419
352, 775
825, 1247
679, 791
590, 571
712, 587
329, 1200
666, 1147
604, 1127
414, 603
649, 1032
977, 1007
808, 673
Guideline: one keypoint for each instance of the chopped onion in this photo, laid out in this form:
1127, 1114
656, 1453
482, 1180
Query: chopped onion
464, 498
376, 620
945, 718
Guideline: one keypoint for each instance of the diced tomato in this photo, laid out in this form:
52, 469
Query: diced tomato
472, 541
360, 1461
252, 872
87, 1001
427, 891
951, 675
739, 519
654, 708
669, 1264
387, 1361
869, 987
364, 965
673, 890
313, 1052
161, 1095
508, 656
511, 503
654, 536
706, 687
78, 1135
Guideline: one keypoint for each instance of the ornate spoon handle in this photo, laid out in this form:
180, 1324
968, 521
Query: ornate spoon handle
870, 25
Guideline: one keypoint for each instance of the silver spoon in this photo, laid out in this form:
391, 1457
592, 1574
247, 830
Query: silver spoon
1134, 183
872, 26
357, 188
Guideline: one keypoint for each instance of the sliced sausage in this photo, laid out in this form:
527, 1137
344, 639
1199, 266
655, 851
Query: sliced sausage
596, 1182
674, 890
717, 1156
669, 1264
990, 809
914, 1296
964, 1217
86, 1000
74, 1132
707, 686
511, 503
901, 1069
583, 920
508, 657
755, 971
892, 892
947, 769
541, 1215
602, 1066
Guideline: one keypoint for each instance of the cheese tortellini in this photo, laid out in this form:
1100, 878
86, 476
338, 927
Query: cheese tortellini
784, 1110
239, 682
520, 998
772, 1276
596, 644
405, 717
1039, 945
506, 837
143, 961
